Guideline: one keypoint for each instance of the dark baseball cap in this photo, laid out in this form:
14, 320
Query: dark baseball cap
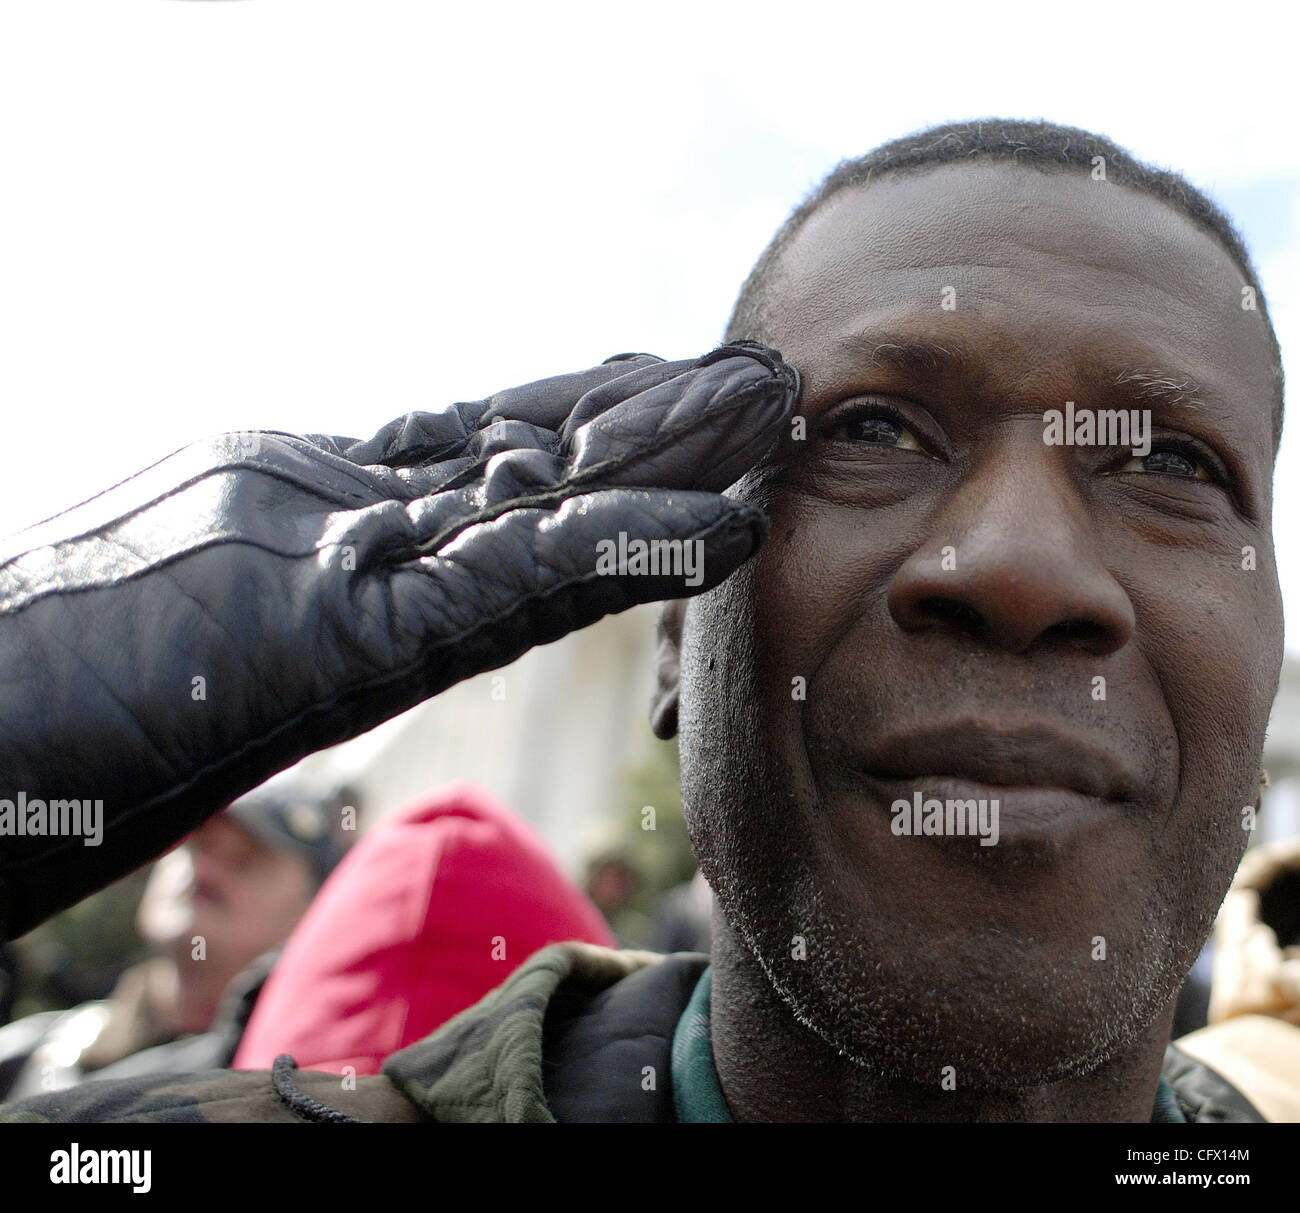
285, 817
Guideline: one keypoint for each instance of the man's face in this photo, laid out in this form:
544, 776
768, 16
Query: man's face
242, 897
949, 606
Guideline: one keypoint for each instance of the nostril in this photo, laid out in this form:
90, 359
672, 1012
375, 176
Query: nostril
953, 613
1078, 631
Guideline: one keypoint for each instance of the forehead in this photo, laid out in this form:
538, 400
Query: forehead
1045, 268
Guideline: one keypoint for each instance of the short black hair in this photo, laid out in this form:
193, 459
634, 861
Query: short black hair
1037, 144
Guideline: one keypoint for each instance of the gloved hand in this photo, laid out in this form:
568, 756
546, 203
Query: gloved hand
172, 642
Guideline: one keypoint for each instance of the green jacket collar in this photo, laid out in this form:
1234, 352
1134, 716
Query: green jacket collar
530, 1048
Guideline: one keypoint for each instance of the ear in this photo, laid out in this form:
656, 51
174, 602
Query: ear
663, 704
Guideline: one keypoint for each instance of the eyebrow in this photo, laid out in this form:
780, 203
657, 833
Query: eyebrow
905, 353
1169, 390
1154, 386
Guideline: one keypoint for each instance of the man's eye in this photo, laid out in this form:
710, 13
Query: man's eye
1167, 460
876, 429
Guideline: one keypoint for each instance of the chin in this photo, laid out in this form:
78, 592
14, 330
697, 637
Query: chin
1005, 1014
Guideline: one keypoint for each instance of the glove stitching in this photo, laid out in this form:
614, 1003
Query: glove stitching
284, 475
13, 604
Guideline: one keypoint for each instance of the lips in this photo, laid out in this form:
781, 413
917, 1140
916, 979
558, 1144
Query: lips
1034, 756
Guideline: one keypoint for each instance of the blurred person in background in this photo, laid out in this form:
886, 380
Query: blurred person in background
214, 914
612, 882
683, 917
1252, 1037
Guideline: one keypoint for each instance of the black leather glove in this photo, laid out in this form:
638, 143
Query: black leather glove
179, 638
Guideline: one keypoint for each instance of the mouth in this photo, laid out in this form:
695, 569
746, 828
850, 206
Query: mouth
1033, 757
1047, 785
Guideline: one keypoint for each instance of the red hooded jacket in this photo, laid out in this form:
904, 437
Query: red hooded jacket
433, 908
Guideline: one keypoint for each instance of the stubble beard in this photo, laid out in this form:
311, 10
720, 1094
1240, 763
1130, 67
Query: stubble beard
1004, 1013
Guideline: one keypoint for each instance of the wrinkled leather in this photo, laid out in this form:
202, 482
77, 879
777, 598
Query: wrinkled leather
319, 585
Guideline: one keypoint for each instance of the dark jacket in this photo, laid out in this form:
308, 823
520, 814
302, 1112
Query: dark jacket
56, 1049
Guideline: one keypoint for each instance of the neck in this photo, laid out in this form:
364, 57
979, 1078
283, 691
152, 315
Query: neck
772, 1068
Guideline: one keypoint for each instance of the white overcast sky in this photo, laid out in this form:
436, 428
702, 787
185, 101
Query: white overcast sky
314, 215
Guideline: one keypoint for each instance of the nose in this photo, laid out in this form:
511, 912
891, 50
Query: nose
1012, 561
217, 850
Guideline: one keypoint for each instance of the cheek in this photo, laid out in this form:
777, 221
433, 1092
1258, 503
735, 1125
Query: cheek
762, 662
1215, 646
820, 579
272, 901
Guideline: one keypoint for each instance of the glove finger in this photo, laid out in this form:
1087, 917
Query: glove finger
437, 452
498, 438
548, 402
413, 439
510, 476
421, 438
502, 430
702, 429
533, 575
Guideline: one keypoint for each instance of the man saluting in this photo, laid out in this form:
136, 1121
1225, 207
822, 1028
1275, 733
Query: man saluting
946, 605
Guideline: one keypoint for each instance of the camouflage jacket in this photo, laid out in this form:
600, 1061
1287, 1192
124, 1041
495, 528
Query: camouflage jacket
577, 1033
